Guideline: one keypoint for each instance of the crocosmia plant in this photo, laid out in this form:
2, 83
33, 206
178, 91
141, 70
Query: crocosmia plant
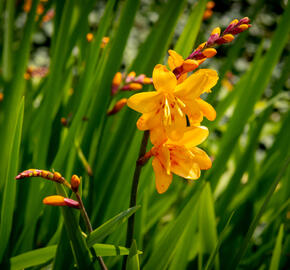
141, 134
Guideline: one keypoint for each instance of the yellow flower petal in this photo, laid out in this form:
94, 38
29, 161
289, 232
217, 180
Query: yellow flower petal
196, 84
158, 135
163, 155
148, 121
162, 179
207, 110
182, 163
192, 136
201, 158
163, 79
193, 111
145, 102
174, 60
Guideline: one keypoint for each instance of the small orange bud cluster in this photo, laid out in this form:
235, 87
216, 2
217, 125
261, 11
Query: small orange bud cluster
58, 178
105, 41
1, 96
208, 12
205, 50
33, 72
129, 83
89, 37
48, 16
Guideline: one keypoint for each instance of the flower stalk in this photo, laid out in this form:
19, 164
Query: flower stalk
134, 189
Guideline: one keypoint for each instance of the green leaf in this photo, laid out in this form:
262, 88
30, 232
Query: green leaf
32, 258
133, 258
251, 95
104, 250
165, 247
9, 194
111, 225
274, 265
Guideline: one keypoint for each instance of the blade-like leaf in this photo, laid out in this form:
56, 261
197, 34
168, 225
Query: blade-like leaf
107, 228
9, 194
274, 265
32, 258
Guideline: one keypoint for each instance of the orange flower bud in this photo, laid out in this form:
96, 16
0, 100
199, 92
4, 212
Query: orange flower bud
118, 106
105, 41
63, 121
26, 76
89, 37
132, 74
235, 21
217, 30
207, 14
210, 52
243, 27
210, 5
1, 96
147, 80
58, 200
135, 86
189, 65
40, 9
75, 182
201, 46
117, 79
228, 38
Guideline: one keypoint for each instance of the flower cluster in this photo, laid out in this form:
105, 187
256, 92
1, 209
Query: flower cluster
128, 82
174, 112
56, 177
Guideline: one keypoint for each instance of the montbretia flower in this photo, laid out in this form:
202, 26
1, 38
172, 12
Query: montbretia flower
164, 111
180, 157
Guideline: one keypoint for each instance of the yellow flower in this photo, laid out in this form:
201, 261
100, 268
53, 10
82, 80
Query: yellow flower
164, 110
181, 157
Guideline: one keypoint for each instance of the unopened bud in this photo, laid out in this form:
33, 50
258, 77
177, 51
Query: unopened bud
147, 80
75, 182
190, 65
210, 52
57, 200
245, 20
90, 37
235, 21
132, 86
228, 38
105, 41
201, 46
210, 5
117, 79
1, 96
118, 106
217, 30
64, 121
243, 27
116, 83
207, 14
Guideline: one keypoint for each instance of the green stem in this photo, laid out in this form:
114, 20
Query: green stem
133, 199
89, 227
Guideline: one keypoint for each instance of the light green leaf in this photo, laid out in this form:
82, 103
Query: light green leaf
274, 265
111, 225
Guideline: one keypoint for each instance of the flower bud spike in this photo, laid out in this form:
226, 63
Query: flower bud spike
57, 200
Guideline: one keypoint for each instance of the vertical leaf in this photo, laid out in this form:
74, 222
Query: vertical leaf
8, 202
274, 265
